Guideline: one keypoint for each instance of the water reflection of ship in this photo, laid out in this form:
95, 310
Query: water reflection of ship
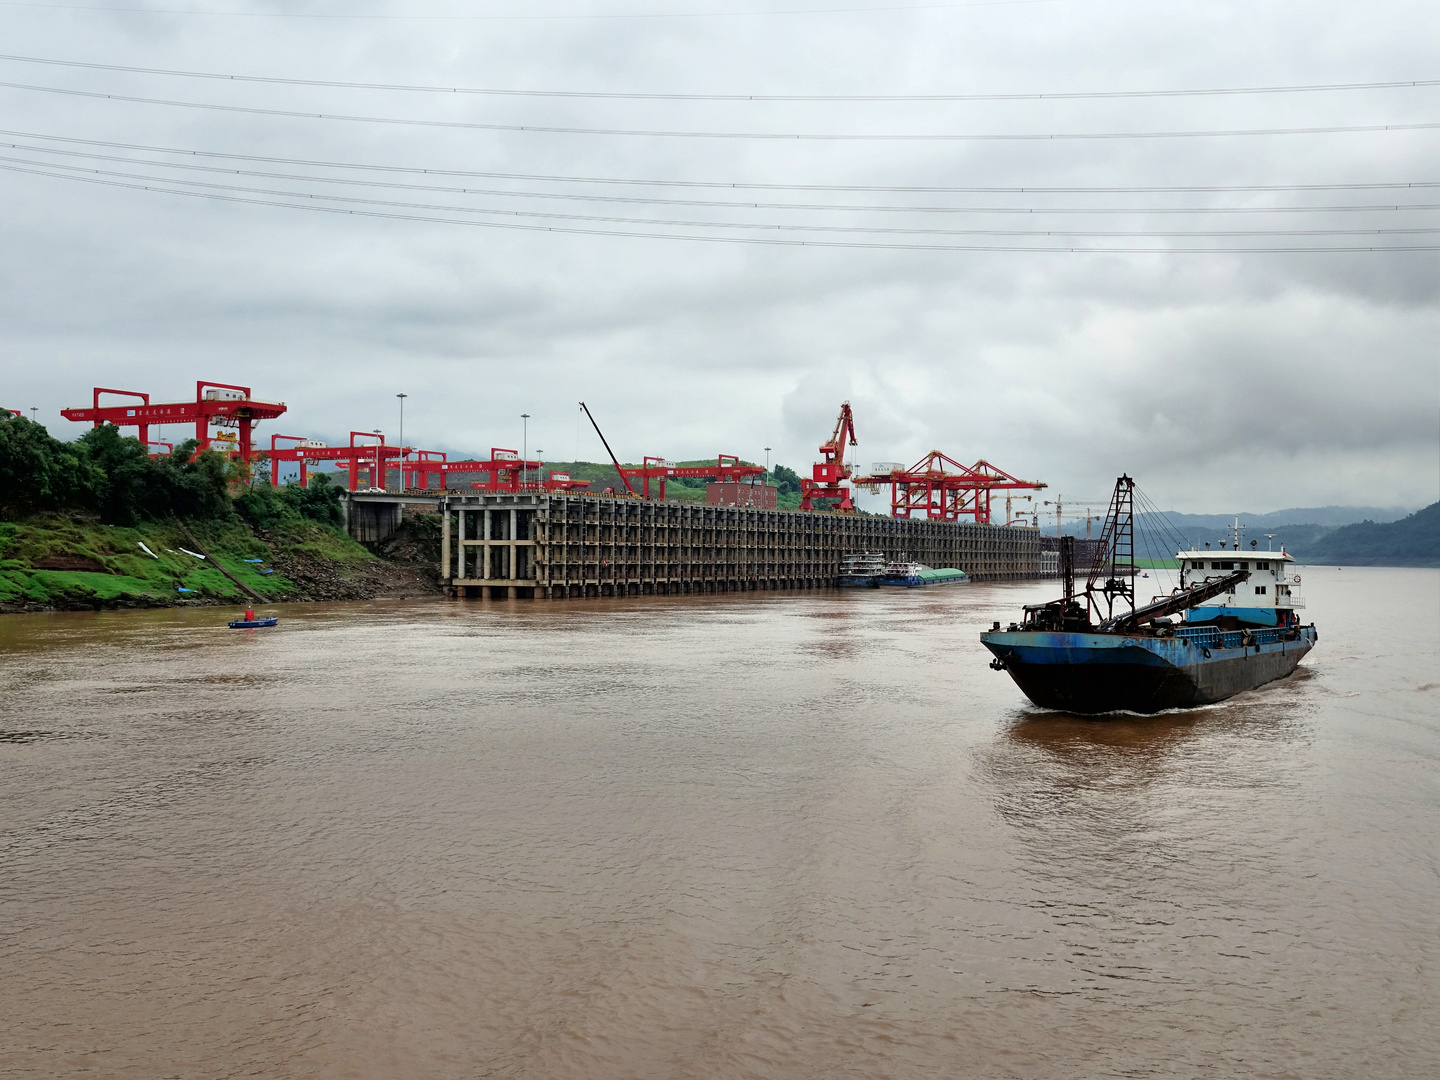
1123, 778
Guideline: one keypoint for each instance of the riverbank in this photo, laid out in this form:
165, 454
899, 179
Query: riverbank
66, 562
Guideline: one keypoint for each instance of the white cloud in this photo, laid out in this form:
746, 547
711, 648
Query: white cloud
1222, 381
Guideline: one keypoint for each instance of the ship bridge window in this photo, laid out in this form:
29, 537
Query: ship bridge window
1259, 590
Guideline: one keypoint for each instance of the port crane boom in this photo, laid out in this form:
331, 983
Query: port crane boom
829, 476
616, 461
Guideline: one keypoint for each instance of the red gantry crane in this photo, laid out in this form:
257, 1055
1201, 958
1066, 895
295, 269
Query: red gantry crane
353, 459
504, 472
215, 404
942, 488
727, 467
830, 474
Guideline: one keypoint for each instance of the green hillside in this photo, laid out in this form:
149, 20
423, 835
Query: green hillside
99, 523
602, 475
59, 560
1411, 541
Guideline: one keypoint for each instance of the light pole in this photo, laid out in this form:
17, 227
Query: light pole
402, 398
539, 468
35, 413
767, 463
379, 460
524, 446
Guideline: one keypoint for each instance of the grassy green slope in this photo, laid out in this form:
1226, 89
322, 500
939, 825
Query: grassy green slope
117, 572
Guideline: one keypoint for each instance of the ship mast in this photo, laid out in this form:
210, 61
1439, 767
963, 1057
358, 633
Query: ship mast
1116, 553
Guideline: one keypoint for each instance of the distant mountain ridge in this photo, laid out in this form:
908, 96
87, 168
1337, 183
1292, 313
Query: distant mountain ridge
1332, 516
1411, 541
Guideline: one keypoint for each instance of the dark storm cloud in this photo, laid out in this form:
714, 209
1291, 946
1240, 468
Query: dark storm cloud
1224, 381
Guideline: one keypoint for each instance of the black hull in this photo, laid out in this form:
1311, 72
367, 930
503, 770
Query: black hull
1149, 688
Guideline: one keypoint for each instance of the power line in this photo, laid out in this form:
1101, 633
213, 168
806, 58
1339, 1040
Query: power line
714, 203
13, 164
727, 184
762, 241
613, 95
535, 18
758, 135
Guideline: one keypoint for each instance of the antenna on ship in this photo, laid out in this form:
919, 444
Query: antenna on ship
1271, 538
1235, 532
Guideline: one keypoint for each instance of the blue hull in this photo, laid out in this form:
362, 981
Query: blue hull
253, 624
1099, 673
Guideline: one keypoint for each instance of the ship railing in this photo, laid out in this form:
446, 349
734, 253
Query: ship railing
1211, 637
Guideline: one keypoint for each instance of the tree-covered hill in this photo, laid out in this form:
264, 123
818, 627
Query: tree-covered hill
1411, 541
99, 523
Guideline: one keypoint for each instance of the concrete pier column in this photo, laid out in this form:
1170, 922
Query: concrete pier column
460, 531
444, 545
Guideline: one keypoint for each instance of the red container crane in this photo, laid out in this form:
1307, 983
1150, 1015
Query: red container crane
726, 467
505, 472
218, 404
942, 488
830, 474
352, 459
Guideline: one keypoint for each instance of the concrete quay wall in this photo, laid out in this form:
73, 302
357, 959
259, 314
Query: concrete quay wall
558, 546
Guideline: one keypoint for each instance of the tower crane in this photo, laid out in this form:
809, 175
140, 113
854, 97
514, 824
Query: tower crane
1060, 502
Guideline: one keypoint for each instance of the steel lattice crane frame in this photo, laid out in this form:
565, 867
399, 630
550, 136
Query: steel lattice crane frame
945, 490
726, 467
829, 476
240, 411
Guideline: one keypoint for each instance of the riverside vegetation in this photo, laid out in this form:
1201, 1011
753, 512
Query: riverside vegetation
76, 520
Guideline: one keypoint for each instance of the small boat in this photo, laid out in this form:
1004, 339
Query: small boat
250, 622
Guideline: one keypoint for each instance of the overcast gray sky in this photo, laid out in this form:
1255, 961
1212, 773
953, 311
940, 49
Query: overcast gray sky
1222, 380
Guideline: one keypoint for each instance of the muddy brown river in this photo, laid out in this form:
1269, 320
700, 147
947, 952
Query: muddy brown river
770, 835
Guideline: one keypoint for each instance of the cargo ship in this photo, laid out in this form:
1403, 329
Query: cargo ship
1094, 651
862, 570
871, 569
907, 573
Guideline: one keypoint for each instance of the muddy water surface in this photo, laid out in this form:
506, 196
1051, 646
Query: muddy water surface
769, 835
